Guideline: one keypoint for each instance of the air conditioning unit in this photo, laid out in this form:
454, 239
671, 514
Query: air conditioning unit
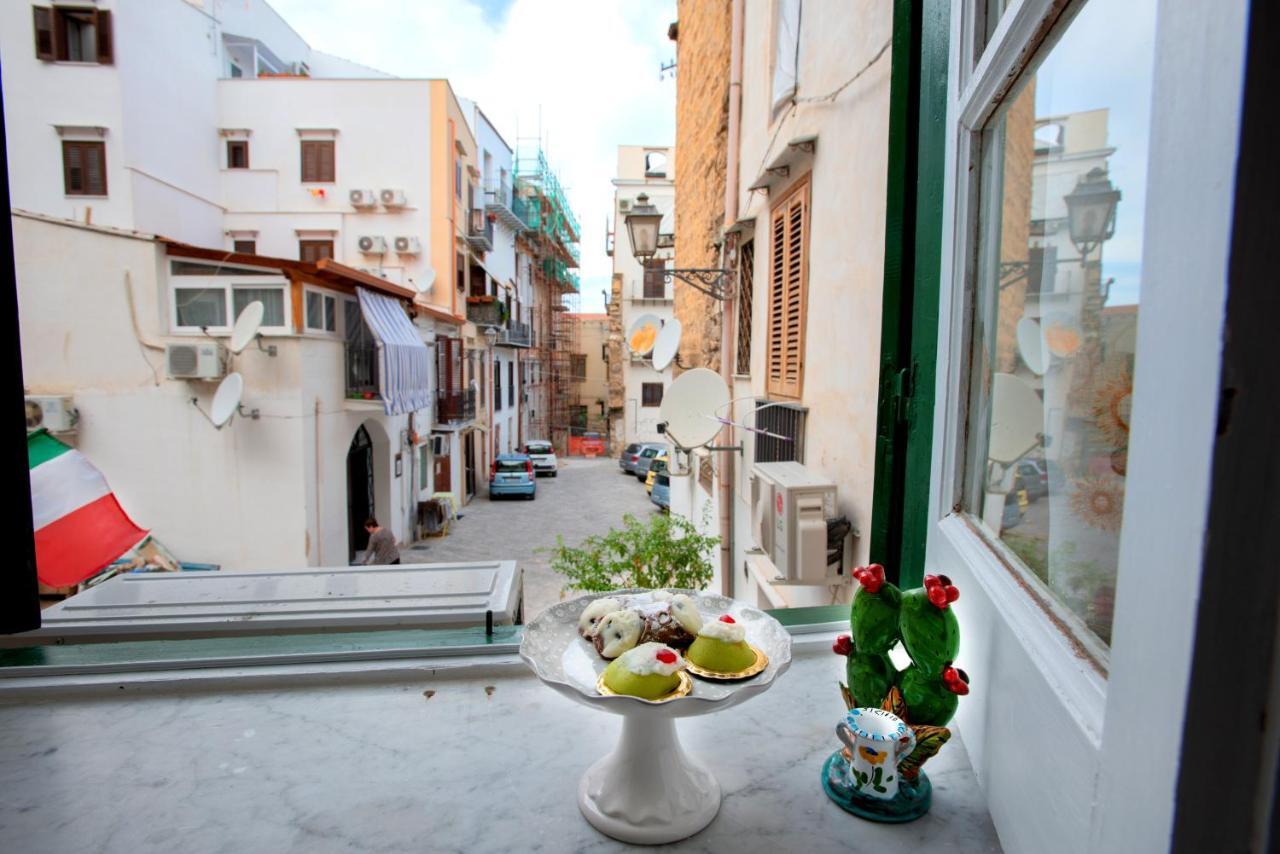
790, 506
372, 245
198, 361
393, 198
408, 245
363, 198
624, 204
55, 414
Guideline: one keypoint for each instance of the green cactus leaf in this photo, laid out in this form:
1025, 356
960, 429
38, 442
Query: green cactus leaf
873, 617
929, 740
870, 675
927, 697
931, 635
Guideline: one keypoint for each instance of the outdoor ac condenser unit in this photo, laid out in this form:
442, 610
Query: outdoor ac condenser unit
393, 198
624, 204
363, 198
55, 414
408, 245
372, 245
201, 360
790, 506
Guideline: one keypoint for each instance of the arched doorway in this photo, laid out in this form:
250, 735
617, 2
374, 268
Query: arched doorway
360, 501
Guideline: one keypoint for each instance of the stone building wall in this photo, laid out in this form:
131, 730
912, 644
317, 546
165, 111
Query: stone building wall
617, 386
703, 36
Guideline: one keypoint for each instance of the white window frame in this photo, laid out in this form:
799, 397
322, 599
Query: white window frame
339, 319
227, 284
1036, 694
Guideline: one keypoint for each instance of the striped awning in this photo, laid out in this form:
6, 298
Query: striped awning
404, 378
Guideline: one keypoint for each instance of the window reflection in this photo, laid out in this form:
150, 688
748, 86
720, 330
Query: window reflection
1061, 262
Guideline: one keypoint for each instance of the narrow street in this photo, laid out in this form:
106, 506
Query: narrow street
589, 496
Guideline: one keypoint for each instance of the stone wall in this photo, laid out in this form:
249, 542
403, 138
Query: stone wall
617, 387
702, 126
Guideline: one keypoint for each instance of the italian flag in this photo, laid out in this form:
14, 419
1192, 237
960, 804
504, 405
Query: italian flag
80, 527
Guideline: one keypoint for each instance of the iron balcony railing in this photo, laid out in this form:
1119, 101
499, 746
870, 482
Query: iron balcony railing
518, 334
455, 405
487, 313
362, 369
501, 203
480, 231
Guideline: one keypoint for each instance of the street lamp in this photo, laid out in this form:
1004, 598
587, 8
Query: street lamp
642, 229
1091, 211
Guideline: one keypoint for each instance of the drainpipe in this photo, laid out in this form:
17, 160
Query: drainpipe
728, 307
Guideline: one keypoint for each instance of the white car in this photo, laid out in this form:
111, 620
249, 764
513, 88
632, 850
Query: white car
543, 455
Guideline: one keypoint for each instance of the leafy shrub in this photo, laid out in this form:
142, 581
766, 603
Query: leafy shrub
667, 551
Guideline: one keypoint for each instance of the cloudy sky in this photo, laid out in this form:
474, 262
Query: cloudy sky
586, 69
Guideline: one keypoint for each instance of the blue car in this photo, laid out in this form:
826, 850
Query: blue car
661, 494
512, 474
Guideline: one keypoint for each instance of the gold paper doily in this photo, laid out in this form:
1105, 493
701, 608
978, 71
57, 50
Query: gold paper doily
685, 686
761, 662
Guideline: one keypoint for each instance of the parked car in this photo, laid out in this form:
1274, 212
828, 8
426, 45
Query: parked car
1033, 477
543, 454
1014, 503
658, 466
631, 456
512, 474
661, 494
647, 455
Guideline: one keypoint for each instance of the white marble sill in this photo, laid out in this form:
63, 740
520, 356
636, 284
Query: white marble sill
470, 758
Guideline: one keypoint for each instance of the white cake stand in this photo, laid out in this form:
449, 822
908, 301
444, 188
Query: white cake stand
648, 790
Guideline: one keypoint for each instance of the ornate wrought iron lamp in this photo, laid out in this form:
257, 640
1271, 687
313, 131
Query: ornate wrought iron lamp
642, 229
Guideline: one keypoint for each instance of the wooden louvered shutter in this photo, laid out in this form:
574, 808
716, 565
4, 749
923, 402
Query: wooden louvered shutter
102, 25
44, 32
310, 161
788, 292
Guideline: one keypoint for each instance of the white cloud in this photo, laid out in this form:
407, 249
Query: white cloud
586, 70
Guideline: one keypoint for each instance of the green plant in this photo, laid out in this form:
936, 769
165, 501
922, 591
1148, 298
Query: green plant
666, 551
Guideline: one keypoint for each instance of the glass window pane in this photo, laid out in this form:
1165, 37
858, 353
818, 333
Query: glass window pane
1060, 271
330, 309
201, 306
272, 302
315, 310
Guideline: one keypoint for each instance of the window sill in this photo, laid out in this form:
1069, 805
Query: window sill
74, 196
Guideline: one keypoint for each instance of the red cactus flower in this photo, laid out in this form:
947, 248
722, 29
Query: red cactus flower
940, 590
955, 680
871, 577
843, 646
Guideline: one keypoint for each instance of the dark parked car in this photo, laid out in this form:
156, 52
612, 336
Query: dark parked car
630, 459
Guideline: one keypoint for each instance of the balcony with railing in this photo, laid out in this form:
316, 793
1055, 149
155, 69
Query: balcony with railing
517, 334
486, 311
480, 230
362, 370
500, 202
455, 406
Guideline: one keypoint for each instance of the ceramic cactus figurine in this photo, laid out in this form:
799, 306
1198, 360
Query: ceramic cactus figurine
925, 695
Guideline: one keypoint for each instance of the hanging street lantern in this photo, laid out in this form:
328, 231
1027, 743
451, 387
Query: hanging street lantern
642, 228
1091, 210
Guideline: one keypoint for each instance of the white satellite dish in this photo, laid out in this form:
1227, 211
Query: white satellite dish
690, 407
666, 345
643, 333
427, 281
247, 326
1031, 345
226, 400
1017, 419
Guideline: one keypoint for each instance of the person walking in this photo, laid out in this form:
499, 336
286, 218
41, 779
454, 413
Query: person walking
382, 549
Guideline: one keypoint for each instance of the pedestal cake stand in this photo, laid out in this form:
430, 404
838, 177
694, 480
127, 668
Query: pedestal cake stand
648, 790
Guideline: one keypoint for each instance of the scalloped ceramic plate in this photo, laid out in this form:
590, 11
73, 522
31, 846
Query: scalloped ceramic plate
552, 649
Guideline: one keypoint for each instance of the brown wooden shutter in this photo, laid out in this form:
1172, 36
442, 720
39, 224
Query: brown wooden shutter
309, 158
102, 26
96, 168
788, 292
326, 164
44, 32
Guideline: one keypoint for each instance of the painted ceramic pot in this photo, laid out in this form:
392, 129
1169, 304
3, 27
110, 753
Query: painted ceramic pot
877, 742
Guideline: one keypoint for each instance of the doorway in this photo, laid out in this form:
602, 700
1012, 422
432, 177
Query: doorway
443, 474
469, 466
360, 503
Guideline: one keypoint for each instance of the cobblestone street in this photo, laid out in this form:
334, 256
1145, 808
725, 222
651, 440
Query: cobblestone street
589, 496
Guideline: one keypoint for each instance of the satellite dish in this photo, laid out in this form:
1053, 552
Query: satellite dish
226, 400
1017, 419
666, 345
247, 326
1032, 347
643, 333
690, 406
427, 281
1062, 335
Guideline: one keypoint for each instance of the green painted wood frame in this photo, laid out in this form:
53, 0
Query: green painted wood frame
909, 319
